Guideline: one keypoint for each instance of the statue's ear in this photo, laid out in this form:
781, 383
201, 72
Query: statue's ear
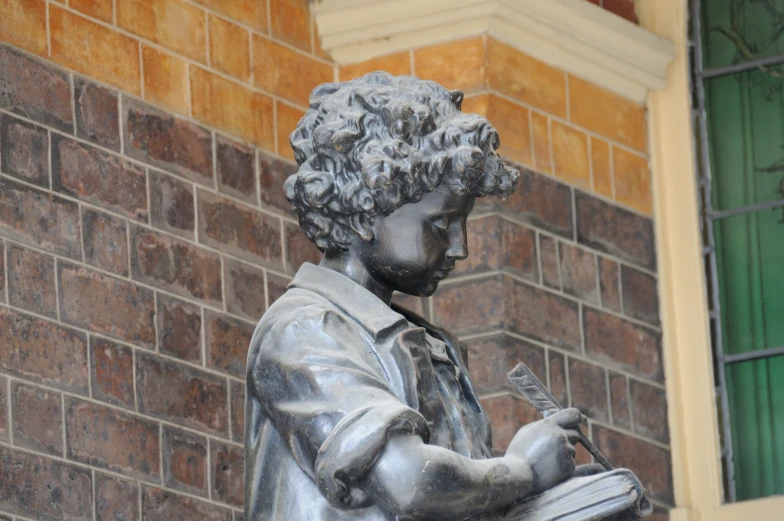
457, 98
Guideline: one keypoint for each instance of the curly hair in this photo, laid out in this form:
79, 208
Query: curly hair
368, 146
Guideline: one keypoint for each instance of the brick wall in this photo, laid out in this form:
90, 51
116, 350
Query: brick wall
143, 232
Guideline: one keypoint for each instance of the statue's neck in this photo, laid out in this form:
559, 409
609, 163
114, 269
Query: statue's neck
351, 266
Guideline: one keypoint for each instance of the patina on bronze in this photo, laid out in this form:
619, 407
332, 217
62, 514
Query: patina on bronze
357, 409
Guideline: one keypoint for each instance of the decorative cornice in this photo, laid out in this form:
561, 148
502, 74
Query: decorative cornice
574, 35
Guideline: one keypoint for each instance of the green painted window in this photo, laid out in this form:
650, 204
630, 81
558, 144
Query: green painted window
739, 93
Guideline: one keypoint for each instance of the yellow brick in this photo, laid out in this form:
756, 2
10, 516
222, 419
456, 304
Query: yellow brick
632, 180
250, 12
477, 104
285, 72
290, 21
94, 50
455, 65
229, 48
511, 122
607, 114
396, 64
288, 117
602, 172
541, 132
23, 23
570, 154
174, 24
230, 107
101, 9
165, 79
517, 75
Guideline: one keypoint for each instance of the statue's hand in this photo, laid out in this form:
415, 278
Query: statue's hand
547, 447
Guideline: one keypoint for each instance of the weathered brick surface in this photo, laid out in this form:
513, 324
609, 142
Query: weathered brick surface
507, 414
172, 205
31, 284
227, 343
111, 371
167, 142
184, 461
105, 241
237, 412
43, 352
239, 230
99, 178
578, 272
273, 172
115, 499
244, 289
640, 297
179, 328
97, 114
109, 439
490, 359
181, 394
276, 286
619, 401
234, 166
39, 218
470, 306
588, 389
62, 492
24, 150
107, 305
649, 404
608, 283
227, 473
542, 202
548, 256
163, 505
558, 388
542, 315
299, 249
495, 243
35, 90
4, 410
178, 266
2, 272
37, 418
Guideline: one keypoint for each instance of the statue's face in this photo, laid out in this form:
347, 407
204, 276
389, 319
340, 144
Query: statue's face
417, 245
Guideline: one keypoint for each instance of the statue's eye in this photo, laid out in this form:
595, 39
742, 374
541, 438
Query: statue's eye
441, 224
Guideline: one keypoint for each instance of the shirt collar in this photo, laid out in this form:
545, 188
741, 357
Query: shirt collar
358, 302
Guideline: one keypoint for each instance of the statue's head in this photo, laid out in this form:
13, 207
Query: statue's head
389, 169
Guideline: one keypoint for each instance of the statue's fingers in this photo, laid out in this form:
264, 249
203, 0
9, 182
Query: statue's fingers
567, 418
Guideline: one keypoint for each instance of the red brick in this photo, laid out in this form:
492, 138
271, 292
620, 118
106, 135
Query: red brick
24, 149
237, 412
471, 306
31, 284
273, 172
542, 202
97, 177
239, 230
542, 315
43, 352
649, 410
578, 272
111, 367
40, 488
109, 439
35, 90
227, 340
181, 394
558, 389
184, 461
170, 143
37, 419
411, 302
519, 247
105, 241
619, 401
623, 8
276, 286
115, 499
485, 245
649, 462
507, 414
588, 387
234, 166
610, 339
2, 272
490, 359
299, 249
97, 114
4, 412
227, 473
106, 305
244, 289
179, 328
175, 265
608, 283
172, 205
548, 256
39, 218
162, 505
640, 295
616, 231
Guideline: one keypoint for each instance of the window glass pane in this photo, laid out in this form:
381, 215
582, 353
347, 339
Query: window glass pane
736, 31
750, 262
756, 398
746, 128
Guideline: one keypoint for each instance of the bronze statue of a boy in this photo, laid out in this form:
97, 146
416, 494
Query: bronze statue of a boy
357, 409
